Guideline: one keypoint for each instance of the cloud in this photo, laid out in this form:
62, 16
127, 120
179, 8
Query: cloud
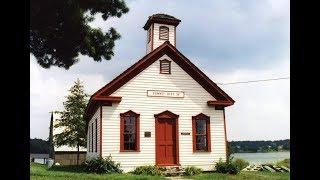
48, 89
262, 109
229, 40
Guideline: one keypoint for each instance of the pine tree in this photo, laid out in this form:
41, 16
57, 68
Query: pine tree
51, 145
72, 120
60, 30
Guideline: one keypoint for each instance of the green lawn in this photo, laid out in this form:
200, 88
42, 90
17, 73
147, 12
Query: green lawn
38, 171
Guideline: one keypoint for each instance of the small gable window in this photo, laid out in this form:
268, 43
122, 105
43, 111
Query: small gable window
163, 33
129, 131
201, 133
165, 66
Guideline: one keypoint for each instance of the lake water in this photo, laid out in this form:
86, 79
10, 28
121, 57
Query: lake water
259, 158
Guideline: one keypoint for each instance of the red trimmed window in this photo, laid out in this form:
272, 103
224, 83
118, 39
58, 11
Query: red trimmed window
129, 131
201, 133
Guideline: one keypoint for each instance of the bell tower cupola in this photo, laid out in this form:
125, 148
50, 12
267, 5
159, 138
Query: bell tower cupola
160, 28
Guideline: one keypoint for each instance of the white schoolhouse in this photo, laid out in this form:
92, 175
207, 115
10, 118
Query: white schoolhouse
162, 110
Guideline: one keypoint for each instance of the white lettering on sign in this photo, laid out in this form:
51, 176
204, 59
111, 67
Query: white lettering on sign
154, 93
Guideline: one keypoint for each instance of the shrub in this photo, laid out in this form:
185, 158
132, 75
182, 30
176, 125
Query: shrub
226, 167
285, 162
240, 163
190, 171
148, 170
100, 165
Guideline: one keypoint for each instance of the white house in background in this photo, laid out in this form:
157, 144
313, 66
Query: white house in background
66, 155
162, 110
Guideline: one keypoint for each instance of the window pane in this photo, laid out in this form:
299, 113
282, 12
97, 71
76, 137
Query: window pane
129, 120
201, 146
201, 126
129, 129
129, 146
126, 146
201, 139
129, 138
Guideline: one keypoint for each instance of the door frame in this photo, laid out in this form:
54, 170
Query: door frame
169, 115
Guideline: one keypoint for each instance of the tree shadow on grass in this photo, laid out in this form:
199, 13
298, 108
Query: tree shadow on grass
69, 168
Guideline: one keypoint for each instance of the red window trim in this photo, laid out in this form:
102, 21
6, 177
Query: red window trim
165, 60
137, 116
167, 29
194, 119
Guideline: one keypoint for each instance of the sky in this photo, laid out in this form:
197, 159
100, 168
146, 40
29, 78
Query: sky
229, 40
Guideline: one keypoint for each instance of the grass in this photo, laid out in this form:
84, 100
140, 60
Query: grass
39, 171
243, 176
285, 162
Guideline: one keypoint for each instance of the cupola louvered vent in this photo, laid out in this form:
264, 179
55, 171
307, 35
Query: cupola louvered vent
164, 33
165, 66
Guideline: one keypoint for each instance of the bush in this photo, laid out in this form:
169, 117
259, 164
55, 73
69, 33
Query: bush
100, 165
240, 163
190, 171
285, 163
148, 170
226, 167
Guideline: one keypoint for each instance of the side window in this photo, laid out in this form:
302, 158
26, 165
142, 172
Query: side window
201, 133
129, 131
96, 135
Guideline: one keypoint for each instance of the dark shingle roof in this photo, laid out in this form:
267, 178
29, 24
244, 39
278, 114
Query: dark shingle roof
161, 18
164, 16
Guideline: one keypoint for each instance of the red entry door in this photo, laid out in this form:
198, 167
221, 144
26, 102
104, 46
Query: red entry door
166, 146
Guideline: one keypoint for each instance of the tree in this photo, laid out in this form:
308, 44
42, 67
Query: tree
60, 30
51, 145
71, 120
38, 146
229, 149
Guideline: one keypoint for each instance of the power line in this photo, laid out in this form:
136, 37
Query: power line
260, 80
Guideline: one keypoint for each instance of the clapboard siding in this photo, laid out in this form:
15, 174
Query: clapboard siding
134, 97
94, 117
